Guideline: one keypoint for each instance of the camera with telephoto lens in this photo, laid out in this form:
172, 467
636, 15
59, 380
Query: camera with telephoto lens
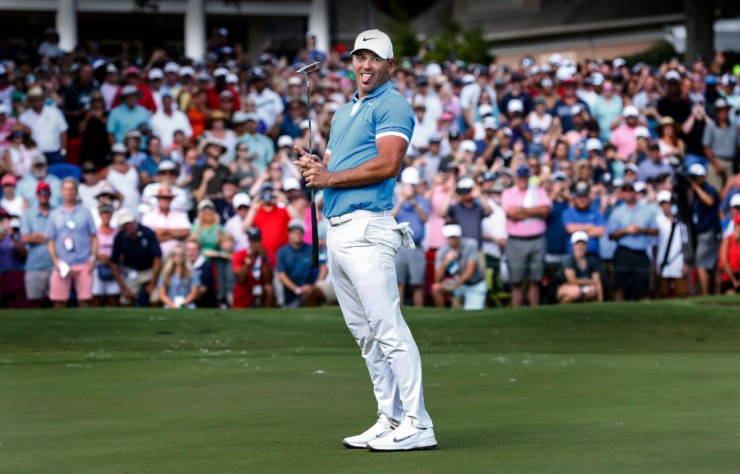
681, 186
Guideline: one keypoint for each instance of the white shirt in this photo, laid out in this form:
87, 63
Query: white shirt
269, 105
234, 227
108, 91
173, 220
46, 127
165, 126
674, 265
14, 206
88, 194
495, 225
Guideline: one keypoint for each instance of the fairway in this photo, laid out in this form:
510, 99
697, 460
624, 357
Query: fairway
650, 387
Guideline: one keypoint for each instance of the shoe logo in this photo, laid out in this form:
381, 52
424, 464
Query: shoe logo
368, 39
396, 440
380, 435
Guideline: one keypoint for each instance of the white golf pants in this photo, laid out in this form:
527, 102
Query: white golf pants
362, 267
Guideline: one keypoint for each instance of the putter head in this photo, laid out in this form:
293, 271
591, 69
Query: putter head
305, 70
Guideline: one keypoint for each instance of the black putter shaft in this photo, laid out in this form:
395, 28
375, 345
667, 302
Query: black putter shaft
314, 219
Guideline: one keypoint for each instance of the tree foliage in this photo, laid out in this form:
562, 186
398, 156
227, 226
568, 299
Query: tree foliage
455, 42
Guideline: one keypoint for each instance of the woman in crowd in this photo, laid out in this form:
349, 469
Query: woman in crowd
244, 167
124, 178
106, 291
12, 255
206, 228
198, 112
95, 145
178, 285
669, 142
16, 157
217, 130
729, 260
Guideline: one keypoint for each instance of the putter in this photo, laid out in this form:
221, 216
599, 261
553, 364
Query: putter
305, 70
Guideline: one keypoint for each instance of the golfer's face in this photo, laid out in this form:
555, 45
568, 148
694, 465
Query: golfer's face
371, 71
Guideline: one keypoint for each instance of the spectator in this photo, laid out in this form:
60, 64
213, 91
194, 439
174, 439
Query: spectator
234, 226
73, 245
244, 167
526, 209
11, 202
166, 177
12, 255
132, 142
607, 109
469, 210
268, 102
457, 272
272, 221
17, 158
730, 260
580, 273
218, 132
669, 262
217, 89
206, 227
669, 143
225, 202
564, 108
259, 145
204, 272
673, 104
197, 112
584, 217
145, 98
48, 127
655, 167
555, 234
707, 226
77, 103
210, 176
253, 273
721, 143
127, 116
105, 289
625, 128
124, 178
170, 226
224, 275
136, 260
294, 268
413, 208
39, 264
169, 120
178, 284
630, 225
493, 230
440, 195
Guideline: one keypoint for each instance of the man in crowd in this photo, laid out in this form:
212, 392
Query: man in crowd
48, 126
294, 268
261, 146
584, 217
168, 120
166, 177
469, 210
707, 226
204, 272
208, 178
171, 226
253, 274
457, 271
235, 225
268, 102
126, 117
39, 264
73, 243
28, 185
272, 221
136, 260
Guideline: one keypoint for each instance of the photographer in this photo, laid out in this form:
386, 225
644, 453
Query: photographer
707, 227
12, 254
253, 273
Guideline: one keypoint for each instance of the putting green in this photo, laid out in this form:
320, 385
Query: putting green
649, 387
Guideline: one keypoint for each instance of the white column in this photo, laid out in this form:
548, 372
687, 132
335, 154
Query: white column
318, 22
67, 24
195, 29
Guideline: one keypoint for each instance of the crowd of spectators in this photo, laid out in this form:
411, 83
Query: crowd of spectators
172, 182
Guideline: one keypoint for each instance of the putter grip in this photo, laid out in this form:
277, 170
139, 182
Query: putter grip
314, 237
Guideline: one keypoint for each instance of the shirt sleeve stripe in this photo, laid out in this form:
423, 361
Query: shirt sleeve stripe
394, 134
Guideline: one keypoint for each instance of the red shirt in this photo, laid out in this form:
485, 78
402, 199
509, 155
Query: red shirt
243, 297
214, 101
733, 257
274, 227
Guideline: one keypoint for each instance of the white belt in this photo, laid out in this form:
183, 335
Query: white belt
339, 220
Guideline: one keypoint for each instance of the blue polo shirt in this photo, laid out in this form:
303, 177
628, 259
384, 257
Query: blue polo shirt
296, 264
624, 216
71, 230
354, 129
407, 213
122, 120
38, 254
590, 216
137, 253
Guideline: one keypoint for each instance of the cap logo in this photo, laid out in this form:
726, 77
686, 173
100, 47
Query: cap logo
368, 39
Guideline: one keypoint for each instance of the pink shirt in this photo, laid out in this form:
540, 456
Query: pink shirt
435, 239
154, 219
625, 140
513, 198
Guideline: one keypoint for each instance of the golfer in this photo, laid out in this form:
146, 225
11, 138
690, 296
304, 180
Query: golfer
369, 137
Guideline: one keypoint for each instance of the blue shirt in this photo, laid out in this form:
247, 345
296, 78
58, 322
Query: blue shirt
590, 216
624, 216
122, 120
407, 213
38, 254
179, 287
352, 142
27, 189
296, 264
137, 253
555, 234
706, 217
71, 230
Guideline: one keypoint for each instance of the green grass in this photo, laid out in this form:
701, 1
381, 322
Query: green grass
650, 387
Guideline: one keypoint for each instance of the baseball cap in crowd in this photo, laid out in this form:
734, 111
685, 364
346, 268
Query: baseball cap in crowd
664, 196
736, 220
632, 167
129, 90
410, 176
35, 93
672, 76
106, 190
88, 166
187, 71
242, 200
216, 142
469, 145
447, 117
267, 193
523, 171
577, 109
206, 204
118, 148
254, 234
435, 139
166, 165
453, 134
498, 186
257, 74
490, 123
111, 69
515, 105
710, 80
220, 72
559, 176
296, 224
627, 186
171, 67
291, 184
8, 180
43, 188
593, 144
578, 236
581, 190
165, 192
465, 185
451, 230
485, 109
630, 111
735, 200
640, 186
619, 62
132, 71
155, 74
38, 159
285, 141
252, 116
642, 132
721, 104
375, 41
468, 79
124, 216
546, 82
105, 208
697, 170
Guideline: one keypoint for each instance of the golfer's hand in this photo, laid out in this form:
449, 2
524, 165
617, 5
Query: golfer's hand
304, 158
314, 172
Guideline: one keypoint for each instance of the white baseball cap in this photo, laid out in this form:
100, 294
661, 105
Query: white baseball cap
642, 132
172, 67
485, 109
242, 199
465, 183
697, 170
221, 71
285, 140
187, 71
593, 144
578, 236
672, 76
631, 111
515, 105
664, 196
735, 200
468, 79
155, 74
375, 41
410, 176
639, 186
291, 184
124, 216
451, 230
632, 167
490, 123
469, 145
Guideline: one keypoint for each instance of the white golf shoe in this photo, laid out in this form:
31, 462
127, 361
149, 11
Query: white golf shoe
406, 437
381, 428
